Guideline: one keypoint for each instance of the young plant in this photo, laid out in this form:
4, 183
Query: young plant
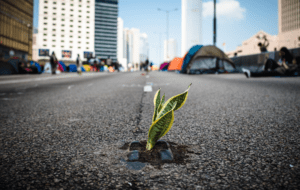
163, 115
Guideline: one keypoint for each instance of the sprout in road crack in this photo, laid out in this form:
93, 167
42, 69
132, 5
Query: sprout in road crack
163, 115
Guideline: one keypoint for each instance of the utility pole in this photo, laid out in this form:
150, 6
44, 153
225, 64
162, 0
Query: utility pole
215, 24
167, 11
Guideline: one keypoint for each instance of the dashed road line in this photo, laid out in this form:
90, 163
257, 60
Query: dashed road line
147, 88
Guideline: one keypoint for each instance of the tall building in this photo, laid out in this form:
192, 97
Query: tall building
144, 47
191, 24
172, 49
132, 53
66, 27
16, 18
106, 28
121, 41
289, 23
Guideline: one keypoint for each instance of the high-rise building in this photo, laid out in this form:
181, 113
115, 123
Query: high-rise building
16, 18
144, 47
172, 49
191, 24
66, 27
121, 41
289, 23
106, 28
133, 47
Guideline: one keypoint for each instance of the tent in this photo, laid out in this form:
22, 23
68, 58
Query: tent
87, 68
206, 59
175, 64
47, 69
164, 66
72, 68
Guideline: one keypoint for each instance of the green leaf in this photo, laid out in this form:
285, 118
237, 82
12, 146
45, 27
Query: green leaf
156, 102
162, 101
160, 127
180, 99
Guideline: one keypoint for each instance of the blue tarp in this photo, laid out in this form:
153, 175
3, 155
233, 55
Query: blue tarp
83, 69
33, 63
63, 65
72, 68
189, 56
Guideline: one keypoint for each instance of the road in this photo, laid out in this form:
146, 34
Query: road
69, 131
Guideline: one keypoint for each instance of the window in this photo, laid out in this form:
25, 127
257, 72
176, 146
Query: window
45, 7
87, 27
79, 42
44, 40
79, 5
71, 41
53, 40
79, 31
62, 46
62, 19
72, 4
71, 15
44, 45
87, 37
54, 13
87, 48
45, 28
71, 30
62, 30
71, 20
45, 18
53, 35
87, 43
62, 14
45, 34
71, 36
45, 1
63, 3
88, 11
79, 36
88, 1
79, 10
71, 9
79, 26
53, 45
54, 7
54, 19
63, 9
71, 25
62, 41
54, 2
87, 22
62, 35
45, 13
54, 24
62, 25
88, 6
87, 17
87, 32
79, 16
53, 29
71, 46
79, 21
45, 23
78, 47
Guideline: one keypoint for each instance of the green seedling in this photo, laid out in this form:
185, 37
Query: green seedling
163, 115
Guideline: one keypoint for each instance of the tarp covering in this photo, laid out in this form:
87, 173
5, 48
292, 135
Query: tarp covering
189, 56
72, 68
63, 65
33, 63
207, 58
47, 69
175, 64
163, 65
87, 68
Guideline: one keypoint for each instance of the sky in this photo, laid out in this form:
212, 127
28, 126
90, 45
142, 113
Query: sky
237, 20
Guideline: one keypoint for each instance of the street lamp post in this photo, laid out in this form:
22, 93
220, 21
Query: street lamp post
167, 11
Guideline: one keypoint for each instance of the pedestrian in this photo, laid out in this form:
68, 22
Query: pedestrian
286, 66
53, 62
78, 64
117, 66
263, 47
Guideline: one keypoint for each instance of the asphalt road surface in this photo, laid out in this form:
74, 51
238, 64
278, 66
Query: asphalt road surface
69, 131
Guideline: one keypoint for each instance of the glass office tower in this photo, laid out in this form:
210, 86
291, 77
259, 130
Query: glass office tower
106, 28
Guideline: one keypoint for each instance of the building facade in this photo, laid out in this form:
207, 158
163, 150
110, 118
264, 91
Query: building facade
191, 24
289, 23
66, 27
250, 46
132, 41
106, 28
16, 23
172, 49
144, 48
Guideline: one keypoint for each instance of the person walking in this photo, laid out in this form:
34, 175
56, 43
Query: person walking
78, 64
53, 62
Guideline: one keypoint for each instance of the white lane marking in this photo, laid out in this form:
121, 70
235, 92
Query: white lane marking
2, 94
150, 83
70, 87
147, 88
8, 98
147, 76
90, 84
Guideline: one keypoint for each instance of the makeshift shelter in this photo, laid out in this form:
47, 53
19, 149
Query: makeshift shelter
47, 69
175, 64
206, 59
87, 68
164, 66
6, 68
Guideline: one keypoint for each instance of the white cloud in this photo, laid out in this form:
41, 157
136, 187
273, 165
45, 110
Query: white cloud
230, 9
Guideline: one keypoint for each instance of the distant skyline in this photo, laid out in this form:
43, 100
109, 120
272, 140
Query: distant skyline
237, 20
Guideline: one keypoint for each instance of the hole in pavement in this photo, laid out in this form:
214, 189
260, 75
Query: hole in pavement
163, 152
